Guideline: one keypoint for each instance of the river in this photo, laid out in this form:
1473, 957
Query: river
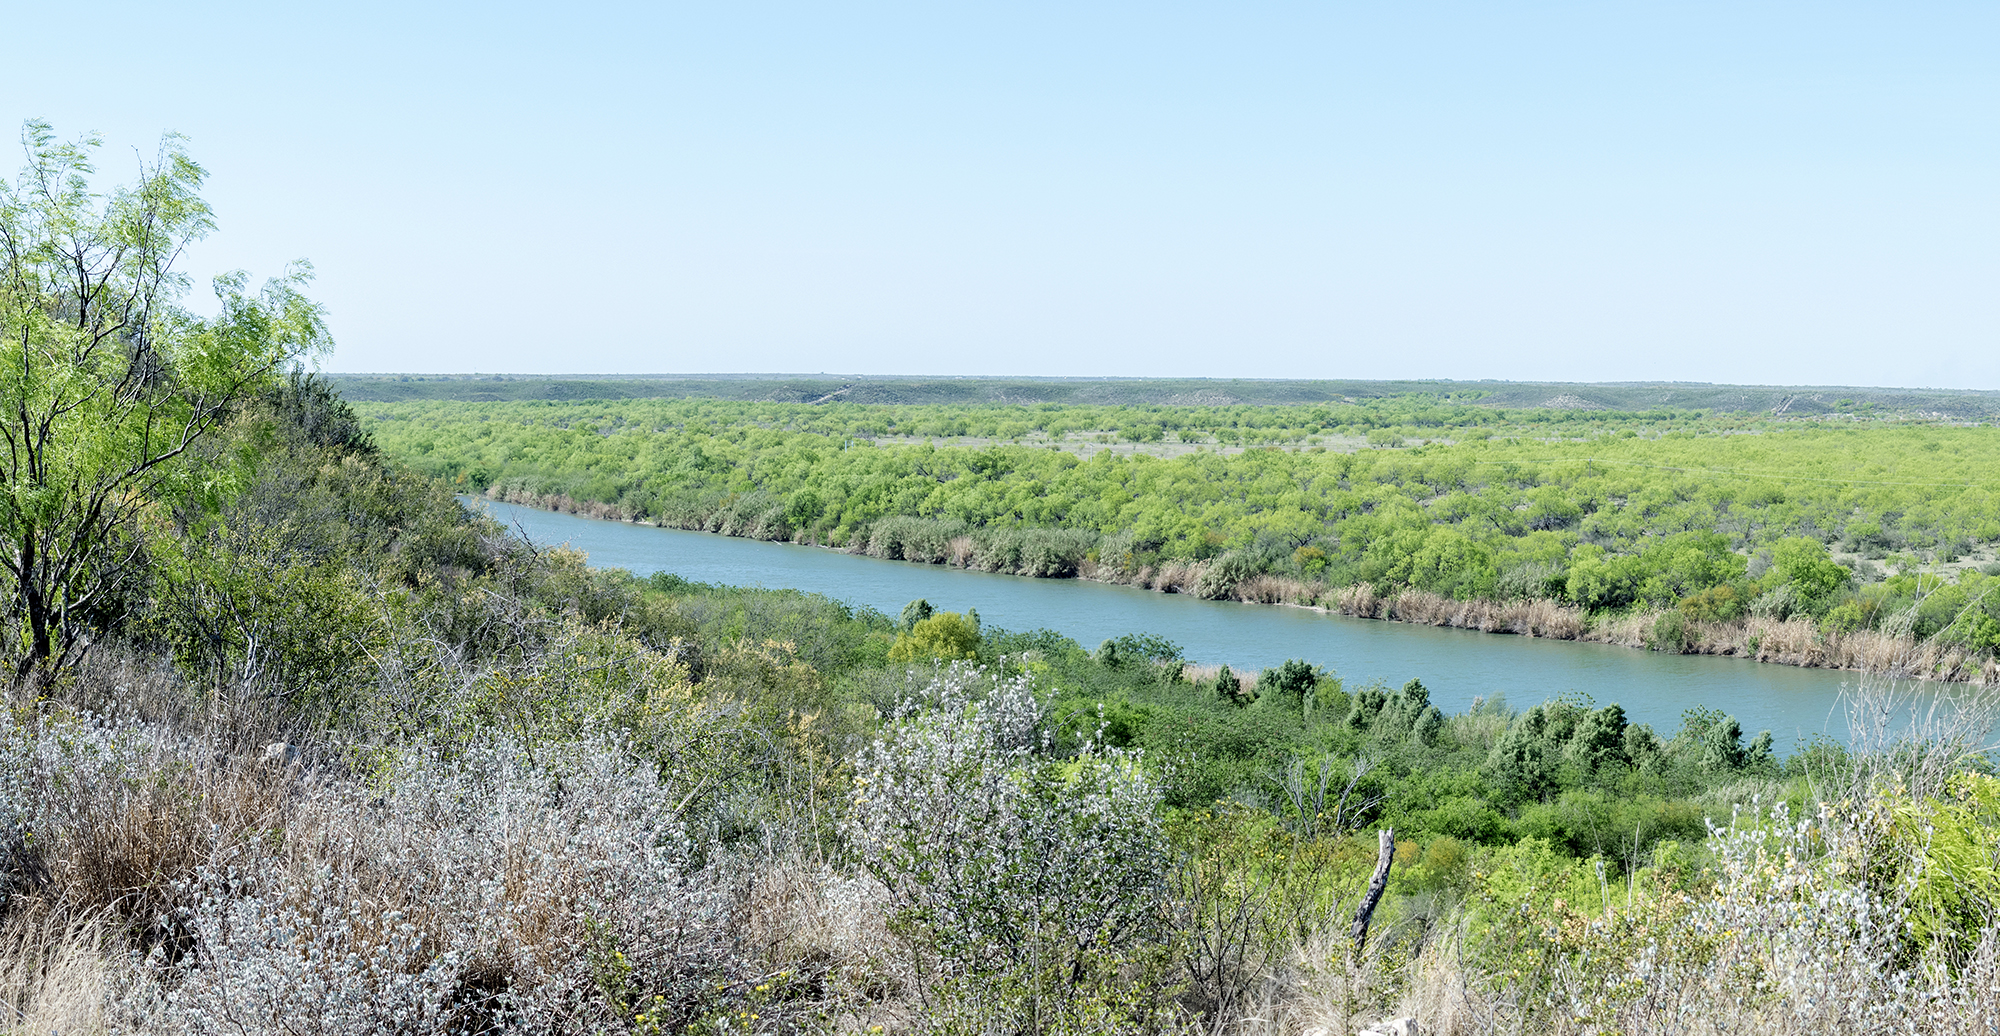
1457, 665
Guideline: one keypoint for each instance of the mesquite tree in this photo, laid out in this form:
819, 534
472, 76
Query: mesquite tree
108, 383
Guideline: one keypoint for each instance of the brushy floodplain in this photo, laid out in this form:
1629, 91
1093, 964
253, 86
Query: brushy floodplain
294, 743
1854, 539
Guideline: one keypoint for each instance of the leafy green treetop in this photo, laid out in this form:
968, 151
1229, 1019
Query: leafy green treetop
914, 612
944, 635
108, 384
1814, 577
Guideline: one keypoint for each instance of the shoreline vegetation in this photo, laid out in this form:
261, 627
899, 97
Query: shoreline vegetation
1790, 641
1855, 537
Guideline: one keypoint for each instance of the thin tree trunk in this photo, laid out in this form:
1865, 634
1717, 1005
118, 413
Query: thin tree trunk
1376, 885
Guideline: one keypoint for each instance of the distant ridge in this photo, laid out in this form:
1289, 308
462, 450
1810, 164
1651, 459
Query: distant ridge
1787, 400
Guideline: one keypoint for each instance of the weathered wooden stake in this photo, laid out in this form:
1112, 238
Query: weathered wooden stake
1376, 885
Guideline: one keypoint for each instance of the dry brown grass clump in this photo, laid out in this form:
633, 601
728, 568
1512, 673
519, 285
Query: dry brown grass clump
562, 503
1800, 642
1174, 577
1269, 589
57, 979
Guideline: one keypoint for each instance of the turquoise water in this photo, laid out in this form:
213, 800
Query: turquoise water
1457, 665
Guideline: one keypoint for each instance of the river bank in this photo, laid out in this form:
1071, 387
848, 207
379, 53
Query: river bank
1794, 642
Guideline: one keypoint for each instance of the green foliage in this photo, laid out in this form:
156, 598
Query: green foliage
1146, 648
1943, 851
1982, 632
1408, 715
1289, 686
1070, 840
1329, 698
108, 384
1722, 602
914, 612
946, 636
1564, 940
1811, 574
1228, 688
242, 612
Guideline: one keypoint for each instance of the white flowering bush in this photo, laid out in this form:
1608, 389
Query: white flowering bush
1028, 881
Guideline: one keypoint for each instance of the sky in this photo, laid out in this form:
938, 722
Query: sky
1773, 193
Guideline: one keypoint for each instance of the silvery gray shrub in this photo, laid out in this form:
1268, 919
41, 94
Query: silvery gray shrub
476, 887
997, 853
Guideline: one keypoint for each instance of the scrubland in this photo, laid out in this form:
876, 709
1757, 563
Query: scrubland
373, 766
1678, 530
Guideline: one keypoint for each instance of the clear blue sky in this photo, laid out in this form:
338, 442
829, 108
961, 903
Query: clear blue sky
1741, 191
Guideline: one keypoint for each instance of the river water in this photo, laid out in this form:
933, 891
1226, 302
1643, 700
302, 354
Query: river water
1457, 665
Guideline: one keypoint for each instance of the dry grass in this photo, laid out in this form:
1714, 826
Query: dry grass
1799, 642
1268, 589
133, 839
55, 978
562, 503
807, 913
1359, 601
1173, 577
1535, 618
475, 886
1531, 618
